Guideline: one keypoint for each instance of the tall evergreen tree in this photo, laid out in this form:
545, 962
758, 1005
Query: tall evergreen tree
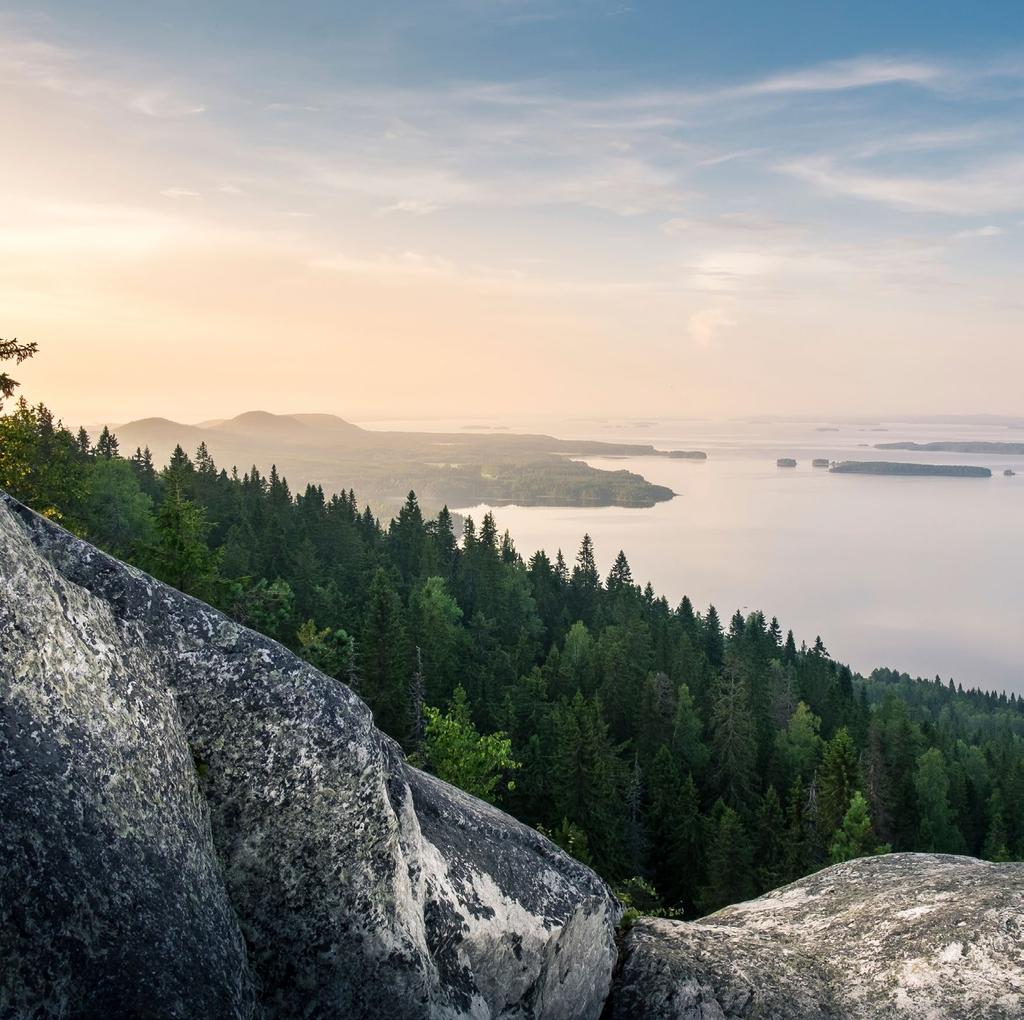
729, 861
384, 657
180, 555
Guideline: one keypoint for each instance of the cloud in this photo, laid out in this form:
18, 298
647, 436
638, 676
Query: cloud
413, 206
864, 72
995, 186
733, 224
164, 103
71, 72
706, 324
179, 193
988, 231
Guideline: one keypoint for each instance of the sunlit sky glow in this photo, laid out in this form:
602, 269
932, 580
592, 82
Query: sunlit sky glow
514, 206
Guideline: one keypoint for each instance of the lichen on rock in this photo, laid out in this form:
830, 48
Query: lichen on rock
914, 936
194, 822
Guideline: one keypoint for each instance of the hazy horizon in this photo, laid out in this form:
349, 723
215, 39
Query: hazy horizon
535, 207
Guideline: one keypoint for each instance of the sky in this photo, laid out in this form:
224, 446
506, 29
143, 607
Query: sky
514, 207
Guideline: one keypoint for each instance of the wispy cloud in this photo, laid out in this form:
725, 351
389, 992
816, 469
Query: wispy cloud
987, 231
73, 73
864, 72
995, 186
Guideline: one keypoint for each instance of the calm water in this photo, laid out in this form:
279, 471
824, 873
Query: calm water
922, 574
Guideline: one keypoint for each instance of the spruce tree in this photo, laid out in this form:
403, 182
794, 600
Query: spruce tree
838, 779
732, 740
729, 861
180, 555
997, 846
937, 832
107, 445
770, 842
854, 837
384, 658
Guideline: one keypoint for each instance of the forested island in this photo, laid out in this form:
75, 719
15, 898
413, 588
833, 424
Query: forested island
972, 446
692, 763
457, 469
886, 467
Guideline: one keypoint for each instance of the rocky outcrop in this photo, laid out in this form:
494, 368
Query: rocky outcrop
195, 823
915, 936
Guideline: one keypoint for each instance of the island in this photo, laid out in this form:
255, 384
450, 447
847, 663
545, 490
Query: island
889, 467
460, 469
820, 462
970, 446
786, 462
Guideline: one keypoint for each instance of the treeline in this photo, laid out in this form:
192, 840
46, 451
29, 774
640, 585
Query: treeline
691, 761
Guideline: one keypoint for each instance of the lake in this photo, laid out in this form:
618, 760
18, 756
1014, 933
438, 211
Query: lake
920, 574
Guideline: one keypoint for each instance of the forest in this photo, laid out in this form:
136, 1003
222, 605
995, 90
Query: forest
692, 758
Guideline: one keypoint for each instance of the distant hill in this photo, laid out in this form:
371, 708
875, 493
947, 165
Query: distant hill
455, 468
971, 446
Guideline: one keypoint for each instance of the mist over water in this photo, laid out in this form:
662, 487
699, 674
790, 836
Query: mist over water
920, 574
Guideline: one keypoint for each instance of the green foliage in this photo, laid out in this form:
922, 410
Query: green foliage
855, 837
385, 659
712, 765
571, 838
937, 834
115, 511
329, 650
729, 867
455, 752
180, 555
11, 350
838, 780
40, 463
266, 606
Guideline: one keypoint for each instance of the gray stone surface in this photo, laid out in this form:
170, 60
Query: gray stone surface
913, 936
195, 823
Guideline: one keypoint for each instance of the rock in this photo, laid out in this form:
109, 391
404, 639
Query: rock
195, 823
915, 936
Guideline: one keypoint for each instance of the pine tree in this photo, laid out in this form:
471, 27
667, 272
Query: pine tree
996, 840
588, 780
732, 740
799, 843
585, 583
854, 837
729, 861
714, 643
11, 350
673, 827
417, 701
687, 742
384, 658
180, 555
770, 842
636, 839
107, 445
407, 539
838, 779
937, 833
